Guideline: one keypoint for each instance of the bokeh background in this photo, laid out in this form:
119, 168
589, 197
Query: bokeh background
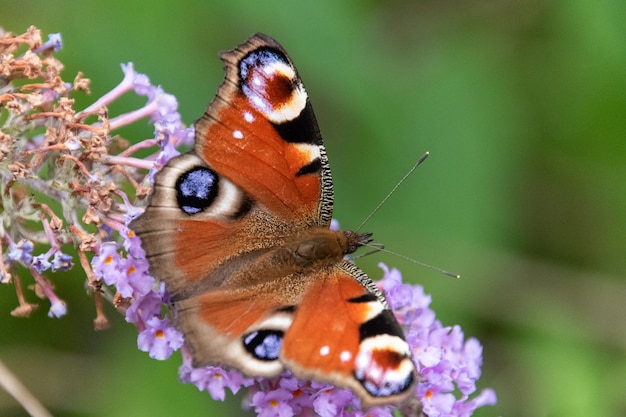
522, 105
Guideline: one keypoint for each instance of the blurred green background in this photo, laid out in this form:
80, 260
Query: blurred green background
522, 105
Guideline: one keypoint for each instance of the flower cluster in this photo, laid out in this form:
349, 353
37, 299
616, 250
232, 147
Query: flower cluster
61, 186
63, 190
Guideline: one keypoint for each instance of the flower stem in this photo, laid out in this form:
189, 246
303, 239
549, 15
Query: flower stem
17, 390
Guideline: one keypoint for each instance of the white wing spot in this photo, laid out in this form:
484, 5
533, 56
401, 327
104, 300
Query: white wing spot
237, 134
345, 356
324, 350
248, 117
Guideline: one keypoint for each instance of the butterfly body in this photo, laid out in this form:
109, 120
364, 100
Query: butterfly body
238, 229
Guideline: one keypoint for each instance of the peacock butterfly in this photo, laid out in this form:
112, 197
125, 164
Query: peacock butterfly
239, 231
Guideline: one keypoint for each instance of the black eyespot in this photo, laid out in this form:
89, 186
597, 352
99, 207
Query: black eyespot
196, 189
264, 345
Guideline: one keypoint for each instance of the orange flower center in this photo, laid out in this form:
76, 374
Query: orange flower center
429, 394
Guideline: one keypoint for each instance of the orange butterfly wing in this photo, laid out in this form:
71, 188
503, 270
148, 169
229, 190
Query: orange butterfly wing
344, 333
262, 121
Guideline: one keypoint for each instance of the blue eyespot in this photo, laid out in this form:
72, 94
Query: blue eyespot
260, 58
264, 345
196, 189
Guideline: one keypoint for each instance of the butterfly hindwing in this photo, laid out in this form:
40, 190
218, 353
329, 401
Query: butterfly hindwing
343, 332
238, 328
337, 328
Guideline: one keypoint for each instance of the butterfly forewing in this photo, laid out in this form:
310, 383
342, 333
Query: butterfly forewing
262, 119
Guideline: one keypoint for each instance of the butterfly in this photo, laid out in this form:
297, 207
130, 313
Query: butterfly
239, 230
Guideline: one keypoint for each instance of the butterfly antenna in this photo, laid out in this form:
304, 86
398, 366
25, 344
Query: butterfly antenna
377, 247
393, 190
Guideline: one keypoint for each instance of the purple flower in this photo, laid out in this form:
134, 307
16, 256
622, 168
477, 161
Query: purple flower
374, 412
106, 264
134, 281
445, 361
21, 252
159, 338
41, 262
129, 275
145, 307
402, 295
131, 213
54, 42
61, 262
162, 108
329, 402
132, 243
213, 379
465, 409
140, 83
436, 403
274, 403
57, 307
300, 391
168, 151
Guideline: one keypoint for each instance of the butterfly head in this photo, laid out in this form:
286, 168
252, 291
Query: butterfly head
355, 240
